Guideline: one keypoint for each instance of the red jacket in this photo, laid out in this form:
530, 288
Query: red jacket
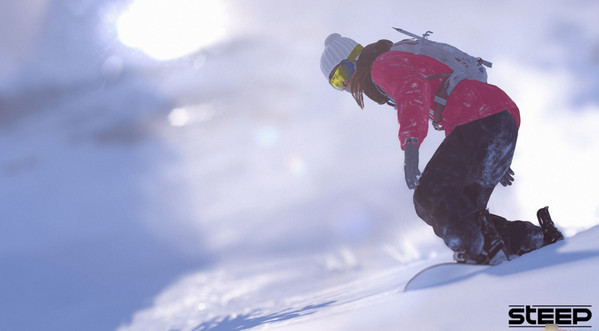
403, 76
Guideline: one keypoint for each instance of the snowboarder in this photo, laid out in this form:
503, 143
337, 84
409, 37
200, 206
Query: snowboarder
481, 125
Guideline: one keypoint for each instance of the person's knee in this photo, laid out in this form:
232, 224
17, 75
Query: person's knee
426, 193
424, 204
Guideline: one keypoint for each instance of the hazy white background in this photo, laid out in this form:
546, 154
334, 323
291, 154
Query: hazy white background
142, 141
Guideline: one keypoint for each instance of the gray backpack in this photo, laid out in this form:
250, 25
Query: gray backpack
463, 66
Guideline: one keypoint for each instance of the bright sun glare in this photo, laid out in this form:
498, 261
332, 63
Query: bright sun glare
168, 29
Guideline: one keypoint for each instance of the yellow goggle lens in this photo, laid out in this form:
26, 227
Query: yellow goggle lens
344, 70
341, 74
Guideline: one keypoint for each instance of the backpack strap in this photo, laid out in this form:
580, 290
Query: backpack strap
441, 96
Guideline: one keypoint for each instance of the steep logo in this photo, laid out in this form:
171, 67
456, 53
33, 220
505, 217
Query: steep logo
526, 316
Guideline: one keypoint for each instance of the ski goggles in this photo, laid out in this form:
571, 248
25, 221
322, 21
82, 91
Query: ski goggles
344, 70
342, 73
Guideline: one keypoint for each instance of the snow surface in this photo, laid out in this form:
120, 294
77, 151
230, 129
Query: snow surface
298, 295
233, 188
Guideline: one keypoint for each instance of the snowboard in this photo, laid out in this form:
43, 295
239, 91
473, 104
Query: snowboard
443, 273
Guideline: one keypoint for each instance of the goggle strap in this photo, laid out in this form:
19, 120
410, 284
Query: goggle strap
355, 52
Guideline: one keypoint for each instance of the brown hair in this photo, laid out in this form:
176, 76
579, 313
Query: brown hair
361, 82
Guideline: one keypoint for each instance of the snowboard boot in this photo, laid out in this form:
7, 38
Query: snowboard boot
550, 233
493, 252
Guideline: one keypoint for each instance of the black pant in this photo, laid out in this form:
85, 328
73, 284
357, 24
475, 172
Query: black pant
457, 183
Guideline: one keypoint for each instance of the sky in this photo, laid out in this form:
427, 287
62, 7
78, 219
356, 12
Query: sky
136, 148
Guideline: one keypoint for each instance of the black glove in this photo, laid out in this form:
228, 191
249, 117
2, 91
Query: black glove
507, 178
411, 166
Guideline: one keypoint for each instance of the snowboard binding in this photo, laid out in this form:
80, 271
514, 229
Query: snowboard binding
493, 252
550, 232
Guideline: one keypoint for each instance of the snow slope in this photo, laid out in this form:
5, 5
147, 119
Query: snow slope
235, 180
298, 295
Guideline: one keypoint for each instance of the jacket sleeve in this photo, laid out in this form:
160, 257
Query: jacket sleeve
411, 92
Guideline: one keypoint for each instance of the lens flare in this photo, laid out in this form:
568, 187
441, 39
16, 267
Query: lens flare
169, 29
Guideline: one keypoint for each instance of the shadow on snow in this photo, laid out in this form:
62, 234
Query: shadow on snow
253, 319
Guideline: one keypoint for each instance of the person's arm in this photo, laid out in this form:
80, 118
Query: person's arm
412, 98
411, 92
